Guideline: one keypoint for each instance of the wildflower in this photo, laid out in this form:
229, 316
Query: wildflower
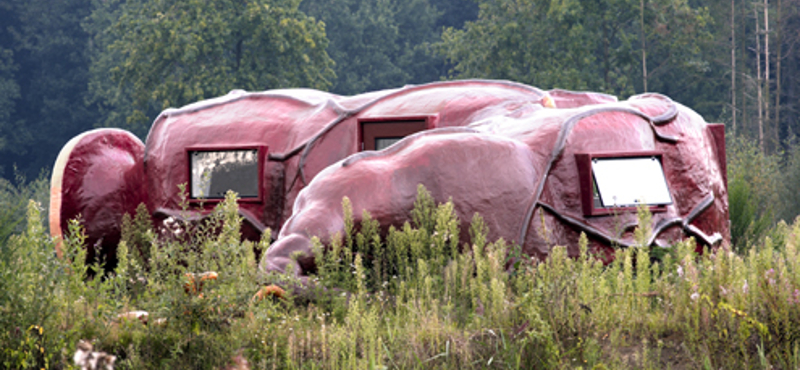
38, 328
694, 296
769, 275
745, 287
680, 270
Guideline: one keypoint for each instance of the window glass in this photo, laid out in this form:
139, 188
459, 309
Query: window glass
625, 182
216, 172
385, 142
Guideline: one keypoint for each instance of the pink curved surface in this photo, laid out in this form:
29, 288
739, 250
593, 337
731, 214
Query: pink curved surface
98, 177
538, 180
497, 147
306, 131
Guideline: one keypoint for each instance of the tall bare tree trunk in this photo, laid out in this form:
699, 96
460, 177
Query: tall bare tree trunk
644, 49
779, 40
759, 101
766, 64
733, 63
744, 123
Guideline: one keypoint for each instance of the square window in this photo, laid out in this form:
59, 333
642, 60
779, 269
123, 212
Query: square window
616, 182
214, 172
380, 133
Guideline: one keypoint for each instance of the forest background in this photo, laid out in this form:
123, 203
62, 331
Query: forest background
68, 66
73, 65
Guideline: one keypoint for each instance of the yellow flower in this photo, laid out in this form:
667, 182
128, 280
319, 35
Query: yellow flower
39, 328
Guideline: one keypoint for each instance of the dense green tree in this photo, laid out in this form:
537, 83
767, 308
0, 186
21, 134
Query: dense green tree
454, 13
378, 44
70, 65
538, 42
168, 53
579, 44
9, 91
788, 89
9, 88
111, 101
682, 57
44, 45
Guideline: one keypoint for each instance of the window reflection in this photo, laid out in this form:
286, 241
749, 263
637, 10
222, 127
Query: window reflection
385, 142
216, 172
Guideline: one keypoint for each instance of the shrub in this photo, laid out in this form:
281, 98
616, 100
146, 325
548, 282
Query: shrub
412, 298
754, 181
13, 198
790, 183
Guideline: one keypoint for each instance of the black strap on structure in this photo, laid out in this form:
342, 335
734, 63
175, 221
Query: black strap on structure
345, 114
662, 225
563, 135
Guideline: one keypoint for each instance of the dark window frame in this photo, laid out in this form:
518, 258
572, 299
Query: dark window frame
587, 182
373, 128
261, 157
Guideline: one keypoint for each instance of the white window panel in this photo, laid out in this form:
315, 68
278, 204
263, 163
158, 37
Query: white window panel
624, 182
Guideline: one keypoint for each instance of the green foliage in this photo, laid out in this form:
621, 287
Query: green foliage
43, 81
507, 42
48, 303
197, 333
754, 183
71, 65
28, 267
378, 44
13, 198
415, 297
169, 53
579, 45
790, 182
9, 90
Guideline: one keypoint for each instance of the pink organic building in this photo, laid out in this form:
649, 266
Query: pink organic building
511, 152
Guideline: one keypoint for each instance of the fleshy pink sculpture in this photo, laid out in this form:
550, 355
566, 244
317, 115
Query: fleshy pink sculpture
517, 167
277, 141
513, 153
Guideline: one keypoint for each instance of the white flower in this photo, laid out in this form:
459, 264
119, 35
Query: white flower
694, 296
680, 270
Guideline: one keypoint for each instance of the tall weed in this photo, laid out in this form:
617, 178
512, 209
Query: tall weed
754, 184
415, 296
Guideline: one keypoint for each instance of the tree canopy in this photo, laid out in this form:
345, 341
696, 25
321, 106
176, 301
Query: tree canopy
378, 44
580, 44
69, 66
43, 74
170, 53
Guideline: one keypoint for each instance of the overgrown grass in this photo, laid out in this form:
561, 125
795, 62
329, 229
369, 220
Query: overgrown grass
412, 299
